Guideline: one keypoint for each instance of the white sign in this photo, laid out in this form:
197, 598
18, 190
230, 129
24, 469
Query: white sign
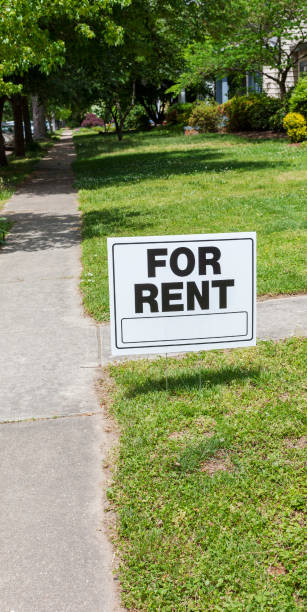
182, 293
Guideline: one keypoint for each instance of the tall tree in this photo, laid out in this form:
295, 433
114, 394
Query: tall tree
246, 35
36, 33
148, 59
26, 121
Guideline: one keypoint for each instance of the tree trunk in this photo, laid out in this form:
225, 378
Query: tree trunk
282, 88
39, 119
3, 158
118, 126
19, 146
26, 121
119, 131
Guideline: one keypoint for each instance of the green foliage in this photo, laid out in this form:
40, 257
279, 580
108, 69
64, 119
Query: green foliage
295, 126
73, 123
60, 113
298, 99
36, 34
233, 35
206, 116
137, 119
210, 479
277, 118
200, 63
179, 114
261, 110
250, 112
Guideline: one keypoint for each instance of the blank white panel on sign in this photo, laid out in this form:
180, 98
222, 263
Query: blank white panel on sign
184, 327
182, 293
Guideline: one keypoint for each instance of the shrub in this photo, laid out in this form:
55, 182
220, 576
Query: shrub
137, 119
91, 120
298, 99
295, 126
236, 111
276, 120
207, 117
250, 112
178, 114
73, 123
261, 110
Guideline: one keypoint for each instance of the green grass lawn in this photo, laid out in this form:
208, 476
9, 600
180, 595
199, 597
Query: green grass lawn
165, 183
209, 483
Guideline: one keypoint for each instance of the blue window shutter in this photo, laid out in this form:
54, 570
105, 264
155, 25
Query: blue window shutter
221, 90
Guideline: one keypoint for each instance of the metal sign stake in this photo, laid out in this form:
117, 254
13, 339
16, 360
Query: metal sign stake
199, 371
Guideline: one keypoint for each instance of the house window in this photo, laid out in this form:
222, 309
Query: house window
303, 67
253, 82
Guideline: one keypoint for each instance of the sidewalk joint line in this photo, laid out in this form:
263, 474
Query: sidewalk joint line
50, 418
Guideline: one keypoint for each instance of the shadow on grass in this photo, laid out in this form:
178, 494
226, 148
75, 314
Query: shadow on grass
200, 378
115, 221
129, 168
107, 142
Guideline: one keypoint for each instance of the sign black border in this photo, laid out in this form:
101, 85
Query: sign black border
180, 242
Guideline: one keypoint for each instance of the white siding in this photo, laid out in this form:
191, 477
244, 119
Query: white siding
271, 87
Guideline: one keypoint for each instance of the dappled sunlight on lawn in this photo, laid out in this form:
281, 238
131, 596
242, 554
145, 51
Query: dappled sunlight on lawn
159, 183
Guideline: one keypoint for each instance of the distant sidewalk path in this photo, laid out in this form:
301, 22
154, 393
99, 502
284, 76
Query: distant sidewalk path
282, 317
54, 552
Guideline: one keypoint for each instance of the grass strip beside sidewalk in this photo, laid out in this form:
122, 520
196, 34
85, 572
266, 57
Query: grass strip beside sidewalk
209, 482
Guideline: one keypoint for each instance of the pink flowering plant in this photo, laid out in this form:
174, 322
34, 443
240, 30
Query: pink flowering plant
91, 120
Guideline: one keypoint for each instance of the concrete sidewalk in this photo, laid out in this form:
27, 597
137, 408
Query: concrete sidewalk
277, 318
54, 552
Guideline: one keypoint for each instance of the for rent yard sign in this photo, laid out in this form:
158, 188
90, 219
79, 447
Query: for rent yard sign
182, 293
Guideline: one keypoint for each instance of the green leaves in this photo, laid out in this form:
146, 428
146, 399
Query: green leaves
241, 35
36, 34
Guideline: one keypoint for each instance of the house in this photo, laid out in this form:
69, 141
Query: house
265, 82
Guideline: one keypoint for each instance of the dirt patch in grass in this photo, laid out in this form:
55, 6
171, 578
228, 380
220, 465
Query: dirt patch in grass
177, 435
219, 463
205, 425
277, 570
298, 443
299, 518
